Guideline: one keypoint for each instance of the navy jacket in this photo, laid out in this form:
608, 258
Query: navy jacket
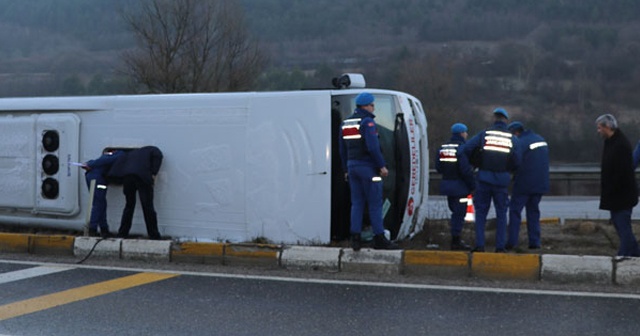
457, 172
532, 177
143, 162
496, 165
359, 144
618, 190
100, 166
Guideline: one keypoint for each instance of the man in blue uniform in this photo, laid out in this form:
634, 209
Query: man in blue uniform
497, 151
137, 170
362, 160
530, 182
96, 170
457, 181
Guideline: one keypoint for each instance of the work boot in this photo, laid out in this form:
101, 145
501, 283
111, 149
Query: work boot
93, 233
458, 244
380, 242
356, 241
105, 234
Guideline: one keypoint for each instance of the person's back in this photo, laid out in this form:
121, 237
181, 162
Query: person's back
531, 181
96, 170
143, 162
457, 181
499, 156
365, 169
532, 176
136, 170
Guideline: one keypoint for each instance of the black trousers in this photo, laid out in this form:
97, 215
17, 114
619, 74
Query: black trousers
131, 185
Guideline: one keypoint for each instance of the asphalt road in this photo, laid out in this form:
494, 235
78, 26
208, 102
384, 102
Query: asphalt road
68, 299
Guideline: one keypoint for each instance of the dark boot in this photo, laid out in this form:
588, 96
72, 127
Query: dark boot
356, 241
93, 233
380, 242
457, 244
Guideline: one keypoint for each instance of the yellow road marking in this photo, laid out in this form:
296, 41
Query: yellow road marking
29, 306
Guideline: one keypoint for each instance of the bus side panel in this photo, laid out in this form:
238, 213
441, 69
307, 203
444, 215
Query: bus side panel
67, 127
17, 162
289, 168
200, 188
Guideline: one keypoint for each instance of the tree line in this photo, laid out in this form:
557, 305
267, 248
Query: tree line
555, 65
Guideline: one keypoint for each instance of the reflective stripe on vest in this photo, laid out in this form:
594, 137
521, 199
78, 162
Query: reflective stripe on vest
376, 179
448, 153
351, 129
498, 141
101, 186
537, 145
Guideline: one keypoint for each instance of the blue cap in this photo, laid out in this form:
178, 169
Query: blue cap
515, 126
458, 128
364, 98
502, 112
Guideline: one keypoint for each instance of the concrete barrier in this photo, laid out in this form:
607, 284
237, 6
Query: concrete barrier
139, 249
251, 254
311, 257
436, 263
627, 271
201, 253
371, 261
567, 268
506, 266
105, 248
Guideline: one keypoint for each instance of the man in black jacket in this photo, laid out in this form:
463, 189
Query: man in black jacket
618, 190
137, 170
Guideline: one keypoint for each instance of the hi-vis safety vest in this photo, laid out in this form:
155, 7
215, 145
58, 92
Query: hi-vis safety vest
448, 157
497, 147
356, 147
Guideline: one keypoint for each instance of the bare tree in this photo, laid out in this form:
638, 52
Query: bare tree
192, 46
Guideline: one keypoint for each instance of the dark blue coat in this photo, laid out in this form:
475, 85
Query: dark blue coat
532, 177
496, 166
99, 167
457, 172
359, 144
142, 162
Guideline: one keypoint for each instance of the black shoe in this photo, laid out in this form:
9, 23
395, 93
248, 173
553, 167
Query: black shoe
106, 234
508, 247
501, 250
93, 233
534, 247
122, 235
380, 242
458, 244
478, 249
356, 242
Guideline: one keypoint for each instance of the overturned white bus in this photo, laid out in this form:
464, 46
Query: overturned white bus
237, 166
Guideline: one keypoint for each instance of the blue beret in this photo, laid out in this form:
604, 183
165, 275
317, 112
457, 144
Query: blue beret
501, 111
458, 128
364, 98
516, 125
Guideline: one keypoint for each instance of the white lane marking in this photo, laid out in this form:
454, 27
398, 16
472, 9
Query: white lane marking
31, 272
352, 282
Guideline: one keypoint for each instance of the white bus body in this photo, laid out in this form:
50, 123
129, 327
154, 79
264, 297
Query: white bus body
237, 166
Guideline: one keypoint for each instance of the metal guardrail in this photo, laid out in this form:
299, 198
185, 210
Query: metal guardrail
565, 180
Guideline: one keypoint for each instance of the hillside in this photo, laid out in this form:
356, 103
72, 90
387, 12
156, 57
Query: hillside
555, 65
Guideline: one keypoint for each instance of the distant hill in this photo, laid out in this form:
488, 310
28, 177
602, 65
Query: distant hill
555, 65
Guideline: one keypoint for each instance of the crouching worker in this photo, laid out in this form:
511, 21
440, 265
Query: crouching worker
457, 182
137, 170
97, 170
